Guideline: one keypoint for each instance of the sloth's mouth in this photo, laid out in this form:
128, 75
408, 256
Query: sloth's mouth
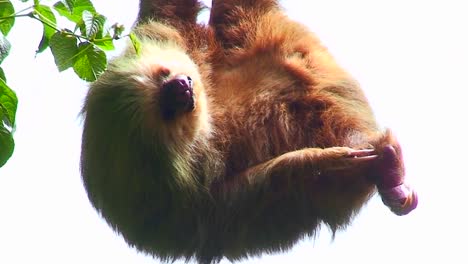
177, 96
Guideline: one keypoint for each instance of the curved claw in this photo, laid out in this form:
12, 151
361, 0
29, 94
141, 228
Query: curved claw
362, 155
362, 152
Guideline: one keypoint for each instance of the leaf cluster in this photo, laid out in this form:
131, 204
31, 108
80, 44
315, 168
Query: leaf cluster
82, 49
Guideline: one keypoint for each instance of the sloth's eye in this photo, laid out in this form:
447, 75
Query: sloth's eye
164, 72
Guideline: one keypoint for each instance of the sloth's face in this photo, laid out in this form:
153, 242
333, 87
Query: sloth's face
158, 94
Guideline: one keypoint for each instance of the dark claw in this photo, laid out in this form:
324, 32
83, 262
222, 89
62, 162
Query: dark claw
177, 96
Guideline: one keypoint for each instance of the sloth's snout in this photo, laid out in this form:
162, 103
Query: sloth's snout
177, 96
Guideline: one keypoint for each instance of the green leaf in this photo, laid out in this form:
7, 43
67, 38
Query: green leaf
63, 10
106, 43
64, 48
7, 145
6, 10
93, 25
5, 47
73, 9
82, 5
8, 104
46, 14
136, 43
90, 63
2, 75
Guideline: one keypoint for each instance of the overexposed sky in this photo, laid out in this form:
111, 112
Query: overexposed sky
411, 58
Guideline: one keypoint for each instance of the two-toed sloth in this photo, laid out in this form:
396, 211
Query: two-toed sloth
231, 139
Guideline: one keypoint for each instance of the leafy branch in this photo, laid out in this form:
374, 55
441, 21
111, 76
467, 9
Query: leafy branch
82, 49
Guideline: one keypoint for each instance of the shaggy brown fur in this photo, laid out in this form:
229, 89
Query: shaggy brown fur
280, 138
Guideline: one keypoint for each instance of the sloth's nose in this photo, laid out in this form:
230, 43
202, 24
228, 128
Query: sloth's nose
181, 88
183, 81
177, 96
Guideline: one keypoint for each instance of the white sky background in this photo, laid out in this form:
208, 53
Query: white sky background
411, 58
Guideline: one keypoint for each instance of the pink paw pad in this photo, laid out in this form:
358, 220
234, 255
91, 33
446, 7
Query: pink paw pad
398, 196
400, 199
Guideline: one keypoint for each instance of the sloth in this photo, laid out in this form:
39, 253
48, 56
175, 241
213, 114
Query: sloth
232, 139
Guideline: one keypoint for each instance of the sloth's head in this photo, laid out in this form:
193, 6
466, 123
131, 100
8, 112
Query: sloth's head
143, 112
157, 94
